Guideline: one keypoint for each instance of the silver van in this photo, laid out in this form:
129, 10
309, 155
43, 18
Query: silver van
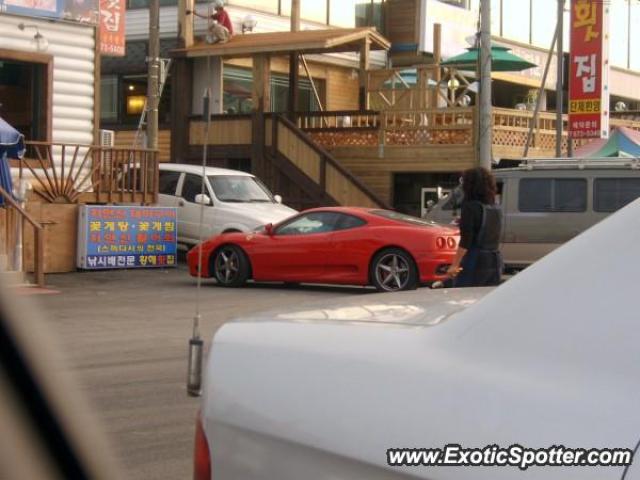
548, 202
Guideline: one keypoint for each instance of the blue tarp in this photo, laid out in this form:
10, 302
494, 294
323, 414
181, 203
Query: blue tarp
11, 146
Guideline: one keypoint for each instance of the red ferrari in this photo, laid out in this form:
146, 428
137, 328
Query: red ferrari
338, 245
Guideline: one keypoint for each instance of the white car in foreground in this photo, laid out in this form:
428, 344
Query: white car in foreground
234, 201
550, 359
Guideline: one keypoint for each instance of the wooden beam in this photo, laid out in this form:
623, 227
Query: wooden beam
185, 23
364, 69
295, 15
261, 91
437, 58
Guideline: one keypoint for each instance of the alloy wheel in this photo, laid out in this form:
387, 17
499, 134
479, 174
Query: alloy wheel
227, 265
392, 272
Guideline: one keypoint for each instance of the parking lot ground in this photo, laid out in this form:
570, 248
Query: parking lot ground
125, 336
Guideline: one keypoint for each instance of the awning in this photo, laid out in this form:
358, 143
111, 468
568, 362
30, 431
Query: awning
622, 142
278, 43
501, 60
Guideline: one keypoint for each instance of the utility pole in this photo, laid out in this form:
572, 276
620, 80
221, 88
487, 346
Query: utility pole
153, 74
559, 77
485, 115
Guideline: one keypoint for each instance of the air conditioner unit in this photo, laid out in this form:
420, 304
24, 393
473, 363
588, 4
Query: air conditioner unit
107, 138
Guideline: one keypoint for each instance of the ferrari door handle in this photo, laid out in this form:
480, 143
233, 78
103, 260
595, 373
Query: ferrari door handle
181, 203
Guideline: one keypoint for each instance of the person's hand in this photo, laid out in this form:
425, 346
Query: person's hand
453, 271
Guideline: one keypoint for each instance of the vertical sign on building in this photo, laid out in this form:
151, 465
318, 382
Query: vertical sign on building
589, 70
112, 13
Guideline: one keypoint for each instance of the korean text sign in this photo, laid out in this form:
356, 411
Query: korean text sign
589, 70
112, 15
126, 237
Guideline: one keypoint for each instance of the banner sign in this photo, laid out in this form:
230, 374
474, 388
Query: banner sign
33, 8
83, 11
126, 237
589, 70
112, 38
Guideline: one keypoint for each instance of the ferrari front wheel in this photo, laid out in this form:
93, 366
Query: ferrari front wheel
231, 266
393, 270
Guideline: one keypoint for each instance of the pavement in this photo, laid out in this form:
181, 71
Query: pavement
125, 335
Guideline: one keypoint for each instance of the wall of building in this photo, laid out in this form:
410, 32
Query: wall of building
72, 48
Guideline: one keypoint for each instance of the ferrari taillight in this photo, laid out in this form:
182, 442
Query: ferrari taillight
441, 243
451, 243
201, 455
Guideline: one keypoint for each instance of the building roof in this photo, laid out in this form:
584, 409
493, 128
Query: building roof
305, 41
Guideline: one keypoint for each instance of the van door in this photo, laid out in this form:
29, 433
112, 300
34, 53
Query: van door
546, 213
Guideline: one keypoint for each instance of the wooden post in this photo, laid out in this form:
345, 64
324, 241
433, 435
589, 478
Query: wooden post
182, 88
294, 61
261, 92
363, 100
437, 58
185, 23
38, 260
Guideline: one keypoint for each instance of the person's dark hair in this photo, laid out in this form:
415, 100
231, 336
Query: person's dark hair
479, 184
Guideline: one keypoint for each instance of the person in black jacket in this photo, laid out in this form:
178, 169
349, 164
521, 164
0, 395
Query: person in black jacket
478, 261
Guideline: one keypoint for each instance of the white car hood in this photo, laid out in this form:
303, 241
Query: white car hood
262, 213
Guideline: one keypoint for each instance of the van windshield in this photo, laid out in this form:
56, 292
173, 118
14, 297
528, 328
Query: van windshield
240, 189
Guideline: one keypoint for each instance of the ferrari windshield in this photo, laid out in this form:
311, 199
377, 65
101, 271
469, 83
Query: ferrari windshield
239, 189
401, 217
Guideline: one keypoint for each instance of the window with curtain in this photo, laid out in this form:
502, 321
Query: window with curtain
543, 22
342, 13
619, 32
515, 20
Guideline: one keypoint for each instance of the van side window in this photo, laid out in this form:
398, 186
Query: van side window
552, 195
611, 194
168, 182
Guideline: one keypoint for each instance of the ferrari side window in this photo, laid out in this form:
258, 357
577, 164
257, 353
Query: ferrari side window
314, 222
349, 221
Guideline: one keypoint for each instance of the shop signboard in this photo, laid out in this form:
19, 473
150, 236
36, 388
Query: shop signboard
112, 15
126, 237
83, 11
589, 70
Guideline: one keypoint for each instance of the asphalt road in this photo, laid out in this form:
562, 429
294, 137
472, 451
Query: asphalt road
125, 335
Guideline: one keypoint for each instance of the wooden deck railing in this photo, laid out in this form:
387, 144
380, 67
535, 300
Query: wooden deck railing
64, 173
38, 230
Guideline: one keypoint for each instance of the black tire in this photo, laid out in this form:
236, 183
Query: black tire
230, 266
393, 270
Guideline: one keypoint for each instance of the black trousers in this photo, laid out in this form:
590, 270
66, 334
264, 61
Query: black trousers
480, 268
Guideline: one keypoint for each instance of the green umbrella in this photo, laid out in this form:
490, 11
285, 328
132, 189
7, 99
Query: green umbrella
501, 60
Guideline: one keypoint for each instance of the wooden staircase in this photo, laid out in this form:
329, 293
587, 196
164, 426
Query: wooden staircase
308, 174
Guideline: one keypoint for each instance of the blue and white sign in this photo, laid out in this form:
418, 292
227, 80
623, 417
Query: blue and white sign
126, 237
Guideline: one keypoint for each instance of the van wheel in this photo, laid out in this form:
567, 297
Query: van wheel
393, 270
231, 266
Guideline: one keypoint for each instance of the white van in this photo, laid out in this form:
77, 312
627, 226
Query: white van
234, 201
548, 202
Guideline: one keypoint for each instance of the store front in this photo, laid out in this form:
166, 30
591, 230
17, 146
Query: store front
24, 87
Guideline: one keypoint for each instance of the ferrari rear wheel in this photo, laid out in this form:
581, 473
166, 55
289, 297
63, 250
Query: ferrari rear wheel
393, 270
231, 266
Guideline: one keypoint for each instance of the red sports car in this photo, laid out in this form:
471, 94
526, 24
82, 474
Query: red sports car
339, 245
